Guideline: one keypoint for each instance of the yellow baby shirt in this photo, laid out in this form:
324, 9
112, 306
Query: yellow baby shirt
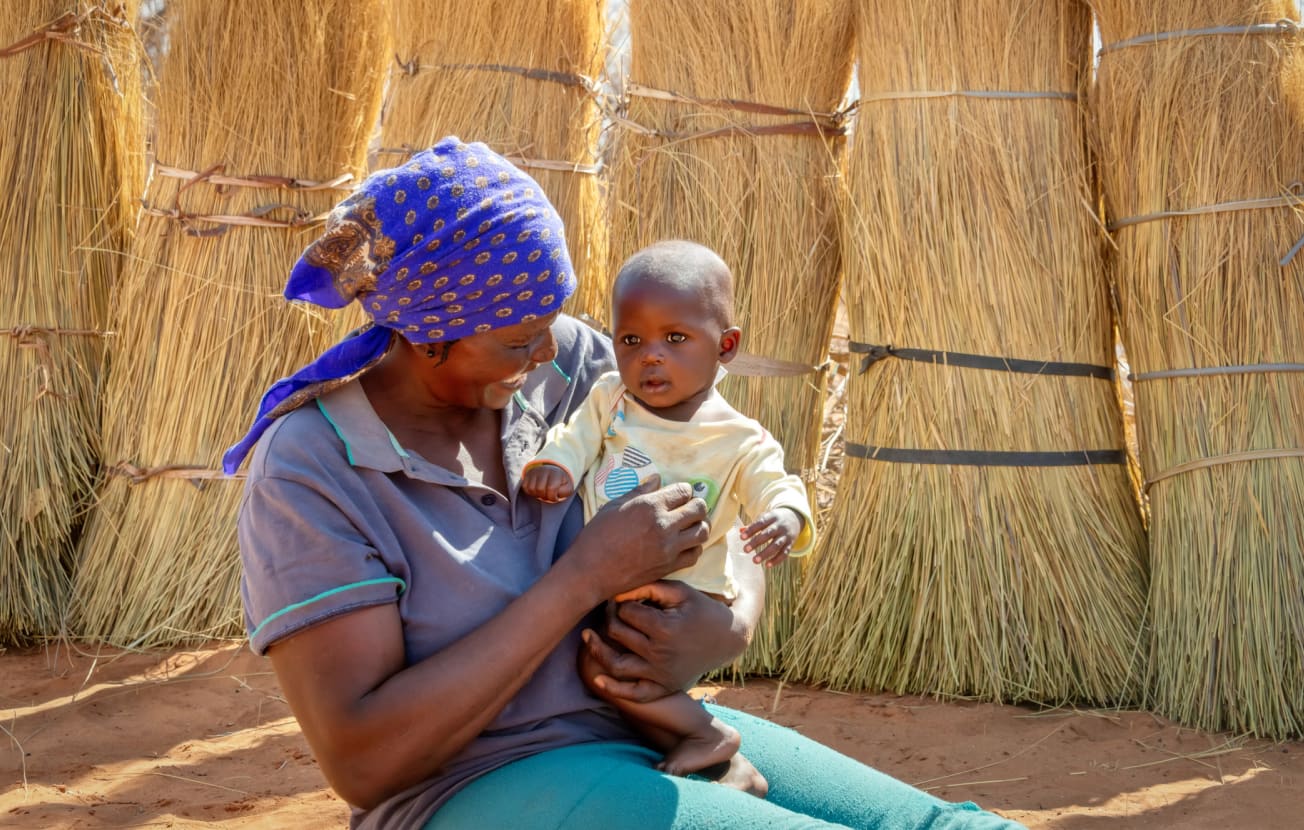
730, 460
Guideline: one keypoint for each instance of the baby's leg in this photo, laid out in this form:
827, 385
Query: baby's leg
692, 739
701, 741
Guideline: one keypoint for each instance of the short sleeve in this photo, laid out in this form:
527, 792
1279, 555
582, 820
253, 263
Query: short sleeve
304, 562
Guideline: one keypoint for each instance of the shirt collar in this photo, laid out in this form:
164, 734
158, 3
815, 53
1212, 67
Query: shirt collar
543, 391
367, 441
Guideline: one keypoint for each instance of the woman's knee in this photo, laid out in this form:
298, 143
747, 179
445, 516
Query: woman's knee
810, 778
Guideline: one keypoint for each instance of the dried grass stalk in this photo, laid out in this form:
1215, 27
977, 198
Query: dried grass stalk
511, 74
969, 228
71, 169
763, 201
1185, 123
202, 327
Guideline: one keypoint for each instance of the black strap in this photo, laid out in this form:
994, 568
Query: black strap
986, 458
874, 353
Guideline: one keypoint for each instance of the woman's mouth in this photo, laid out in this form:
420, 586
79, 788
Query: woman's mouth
515, 382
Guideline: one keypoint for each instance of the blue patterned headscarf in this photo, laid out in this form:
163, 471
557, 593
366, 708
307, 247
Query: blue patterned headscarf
454, 242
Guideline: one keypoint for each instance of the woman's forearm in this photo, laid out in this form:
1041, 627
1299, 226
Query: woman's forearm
475, 677
398, 726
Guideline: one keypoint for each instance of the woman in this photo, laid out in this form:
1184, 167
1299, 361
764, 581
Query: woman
422, 615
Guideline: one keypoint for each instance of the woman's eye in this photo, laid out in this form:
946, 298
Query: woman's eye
675, 337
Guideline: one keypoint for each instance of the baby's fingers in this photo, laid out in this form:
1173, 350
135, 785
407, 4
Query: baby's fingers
764, 521
772, 546
760, 539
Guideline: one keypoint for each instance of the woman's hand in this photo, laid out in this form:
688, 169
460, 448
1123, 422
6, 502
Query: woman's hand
664, 636
639, 538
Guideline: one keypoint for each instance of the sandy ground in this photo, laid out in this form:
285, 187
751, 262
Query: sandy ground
202, 737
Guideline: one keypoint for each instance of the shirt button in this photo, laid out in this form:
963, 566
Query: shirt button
488, 500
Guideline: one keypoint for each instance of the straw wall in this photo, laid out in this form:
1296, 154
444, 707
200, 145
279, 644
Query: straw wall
201, 324
1209, 123
71, 164
749, 176
969, 229
517, 75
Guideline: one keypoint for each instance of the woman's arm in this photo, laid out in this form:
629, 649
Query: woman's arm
378, 727
671, 635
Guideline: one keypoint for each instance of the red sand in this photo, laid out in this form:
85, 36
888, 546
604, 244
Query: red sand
202, 737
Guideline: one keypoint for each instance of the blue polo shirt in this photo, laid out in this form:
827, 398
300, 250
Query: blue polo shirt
338, 516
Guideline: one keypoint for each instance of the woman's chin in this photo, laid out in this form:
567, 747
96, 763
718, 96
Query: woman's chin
499, 395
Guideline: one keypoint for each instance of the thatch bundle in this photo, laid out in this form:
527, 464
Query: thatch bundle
969, 230
71, 169
726, 139
201, 326
519, 75
1200, 106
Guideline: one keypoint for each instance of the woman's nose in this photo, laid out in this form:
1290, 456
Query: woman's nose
546, 349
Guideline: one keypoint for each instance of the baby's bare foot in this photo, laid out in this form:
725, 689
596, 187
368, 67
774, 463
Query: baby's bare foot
741, 775
716, 744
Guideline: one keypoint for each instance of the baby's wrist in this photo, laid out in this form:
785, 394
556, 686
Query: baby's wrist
543, 463
792, 511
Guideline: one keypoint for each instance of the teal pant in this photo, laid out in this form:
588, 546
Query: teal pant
614, 786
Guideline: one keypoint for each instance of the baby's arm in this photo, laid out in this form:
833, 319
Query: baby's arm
571, 448
775, 502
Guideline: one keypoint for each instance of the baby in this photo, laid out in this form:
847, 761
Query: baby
660, 414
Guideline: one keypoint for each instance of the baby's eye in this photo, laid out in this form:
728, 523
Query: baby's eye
629, 339
675, 337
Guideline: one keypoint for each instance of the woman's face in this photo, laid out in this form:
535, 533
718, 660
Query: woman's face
485, 370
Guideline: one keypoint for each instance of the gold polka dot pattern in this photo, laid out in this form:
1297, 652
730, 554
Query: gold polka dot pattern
385, 244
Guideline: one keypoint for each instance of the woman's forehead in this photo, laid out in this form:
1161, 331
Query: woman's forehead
527, 329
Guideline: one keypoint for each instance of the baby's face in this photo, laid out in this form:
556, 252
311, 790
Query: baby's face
667, 345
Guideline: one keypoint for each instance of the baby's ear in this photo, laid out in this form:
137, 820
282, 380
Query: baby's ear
729, 341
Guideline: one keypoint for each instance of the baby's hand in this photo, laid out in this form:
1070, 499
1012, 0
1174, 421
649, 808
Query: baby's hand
547, 482
770, 537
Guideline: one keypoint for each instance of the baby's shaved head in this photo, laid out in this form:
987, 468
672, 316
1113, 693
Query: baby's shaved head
681, 266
